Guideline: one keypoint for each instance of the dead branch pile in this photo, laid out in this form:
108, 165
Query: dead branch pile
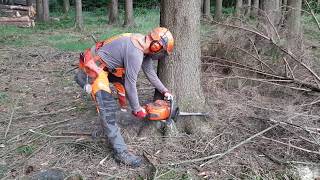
22, 16
256, 83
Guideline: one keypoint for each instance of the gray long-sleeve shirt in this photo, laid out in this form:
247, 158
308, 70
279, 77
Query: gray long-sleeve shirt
121, 53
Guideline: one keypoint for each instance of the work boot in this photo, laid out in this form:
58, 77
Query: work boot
128, 158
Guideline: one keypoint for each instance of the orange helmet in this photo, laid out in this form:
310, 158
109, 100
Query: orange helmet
162, 39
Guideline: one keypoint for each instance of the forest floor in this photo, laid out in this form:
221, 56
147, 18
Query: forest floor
40, 102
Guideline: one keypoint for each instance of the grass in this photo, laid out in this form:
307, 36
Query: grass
25, 150
62, 35
4, 98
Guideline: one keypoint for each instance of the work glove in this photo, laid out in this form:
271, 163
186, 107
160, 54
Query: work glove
140, 114
168, 96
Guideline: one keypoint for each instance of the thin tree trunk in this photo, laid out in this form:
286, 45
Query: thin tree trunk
248, 8
113, 12
218, 10
206, 9
284, 6
79, 18
128, 19
294, 23
66, 6
39, 9
272, 14
255, 8
318, 3
45, 10
29, 2
181, 73
238, 8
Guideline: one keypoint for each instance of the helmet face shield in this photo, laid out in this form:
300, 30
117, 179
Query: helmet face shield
164, 37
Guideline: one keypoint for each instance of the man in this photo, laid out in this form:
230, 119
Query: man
118, 60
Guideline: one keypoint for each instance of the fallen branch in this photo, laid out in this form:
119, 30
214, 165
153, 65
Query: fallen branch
46, 114
292, 146
312, 13
276, 45
238, 145
10, 121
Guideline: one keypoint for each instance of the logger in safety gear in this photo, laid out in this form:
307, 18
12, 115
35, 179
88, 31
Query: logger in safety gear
118, 60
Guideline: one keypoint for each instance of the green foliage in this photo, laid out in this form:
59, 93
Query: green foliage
25, 150
60, 34
3, 170
4, 98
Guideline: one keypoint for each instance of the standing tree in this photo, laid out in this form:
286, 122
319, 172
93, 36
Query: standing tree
113, 12
255, 8
271, 13
181, 73
79, 18
238, 8
248, 8
218, 10
206, 9
29, 2
39, 9
45, 4
294, 22
128, 19
66, 6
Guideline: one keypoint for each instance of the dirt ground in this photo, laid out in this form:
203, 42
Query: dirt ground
40, 103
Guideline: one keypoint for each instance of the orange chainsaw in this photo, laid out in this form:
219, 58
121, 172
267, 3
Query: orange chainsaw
165, 111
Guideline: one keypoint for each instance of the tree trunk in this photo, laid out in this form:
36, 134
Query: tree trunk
181, 73
45, 4
284, 6
66, 6
255, 8
318, 3
79, 18
113, 12
128, 19
29, 2
39, 9
218, 10
206, 9
238, 8
294, 23
272, 14
248, 8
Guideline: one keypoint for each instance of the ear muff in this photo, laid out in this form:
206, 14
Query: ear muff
155, 46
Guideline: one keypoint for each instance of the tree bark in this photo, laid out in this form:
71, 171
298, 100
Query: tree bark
66, 6
272, 14
294, 23
248, 8
218, 10
39, 9
45, 4
181, 72
284, 6
128, 19
29, 2
238, 8
113, 12
206, 9
255, 8
79, 18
